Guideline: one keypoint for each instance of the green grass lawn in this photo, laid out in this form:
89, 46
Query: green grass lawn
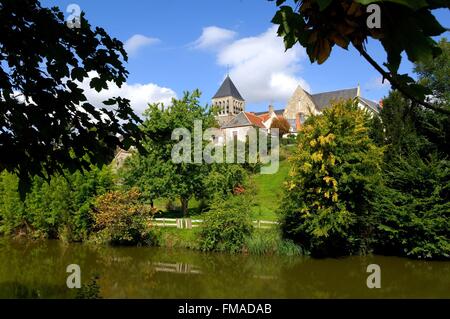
269, 191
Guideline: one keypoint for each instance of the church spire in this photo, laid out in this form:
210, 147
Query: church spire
228, 89
228, 99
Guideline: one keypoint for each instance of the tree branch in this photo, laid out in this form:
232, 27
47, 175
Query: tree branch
397, 85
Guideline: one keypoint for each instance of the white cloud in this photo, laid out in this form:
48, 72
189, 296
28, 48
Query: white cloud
377, 83
140, 95
261, 68
214, 37
138, 41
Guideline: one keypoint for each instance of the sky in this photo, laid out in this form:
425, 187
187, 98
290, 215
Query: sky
178, 45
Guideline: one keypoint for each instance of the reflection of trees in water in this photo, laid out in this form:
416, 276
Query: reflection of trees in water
346, 278
38, 269
18, 290
34, 268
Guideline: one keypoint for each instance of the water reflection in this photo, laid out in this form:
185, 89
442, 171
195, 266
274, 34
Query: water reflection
177, 267
37, 270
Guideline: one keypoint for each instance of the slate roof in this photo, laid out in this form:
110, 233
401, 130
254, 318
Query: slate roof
323, 100
277, 112
228, 89
371, 104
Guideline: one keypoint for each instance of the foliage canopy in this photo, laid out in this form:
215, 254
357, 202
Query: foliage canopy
46, 122
405, 26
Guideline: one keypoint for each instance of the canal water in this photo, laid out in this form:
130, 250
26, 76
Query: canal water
38, 270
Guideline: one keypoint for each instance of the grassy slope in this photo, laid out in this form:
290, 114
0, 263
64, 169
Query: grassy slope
269, 192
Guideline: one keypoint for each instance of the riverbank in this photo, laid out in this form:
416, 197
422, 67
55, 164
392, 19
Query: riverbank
261, 242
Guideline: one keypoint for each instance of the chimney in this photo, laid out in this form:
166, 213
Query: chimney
298, 123
358, 92
271, 110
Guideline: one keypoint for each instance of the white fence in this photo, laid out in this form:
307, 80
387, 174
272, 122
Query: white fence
188, 223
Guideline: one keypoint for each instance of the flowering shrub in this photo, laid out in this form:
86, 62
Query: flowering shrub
334, 175
120, 218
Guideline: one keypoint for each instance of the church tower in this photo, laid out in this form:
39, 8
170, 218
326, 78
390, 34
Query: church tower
229, 100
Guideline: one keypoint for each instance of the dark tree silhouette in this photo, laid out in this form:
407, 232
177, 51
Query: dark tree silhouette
46, 122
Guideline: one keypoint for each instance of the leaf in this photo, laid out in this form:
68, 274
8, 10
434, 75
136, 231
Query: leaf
78, 74
324, 51
429, 24
98, 84
323, 4
340, 41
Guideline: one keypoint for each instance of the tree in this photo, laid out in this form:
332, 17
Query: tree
12, 210
281, 124
154, 172
46, 123
225, 180
413, 206
120, 218
404, 26
435, 74
334, 175
57, 208
409, 129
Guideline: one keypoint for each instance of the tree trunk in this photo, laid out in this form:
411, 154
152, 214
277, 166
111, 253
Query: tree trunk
184, 206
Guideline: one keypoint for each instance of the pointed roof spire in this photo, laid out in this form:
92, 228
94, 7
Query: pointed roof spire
228, 89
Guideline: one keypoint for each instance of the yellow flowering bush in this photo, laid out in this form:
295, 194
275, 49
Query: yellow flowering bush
334, 174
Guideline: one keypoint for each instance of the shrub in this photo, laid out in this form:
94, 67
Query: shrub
289, 140
49, 205
121, 219
226, 225
270, 242
224, 180
61, 207
414, 208
90, 290
12, 211
334, 175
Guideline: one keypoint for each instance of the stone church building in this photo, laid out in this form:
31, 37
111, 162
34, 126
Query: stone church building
235, 121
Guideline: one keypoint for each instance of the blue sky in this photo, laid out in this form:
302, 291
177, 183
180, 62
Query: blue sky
179, 45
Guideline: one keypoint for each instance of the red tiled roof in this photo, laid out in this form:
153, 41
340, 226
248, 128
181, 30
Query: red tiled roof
264, 117
255, 120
